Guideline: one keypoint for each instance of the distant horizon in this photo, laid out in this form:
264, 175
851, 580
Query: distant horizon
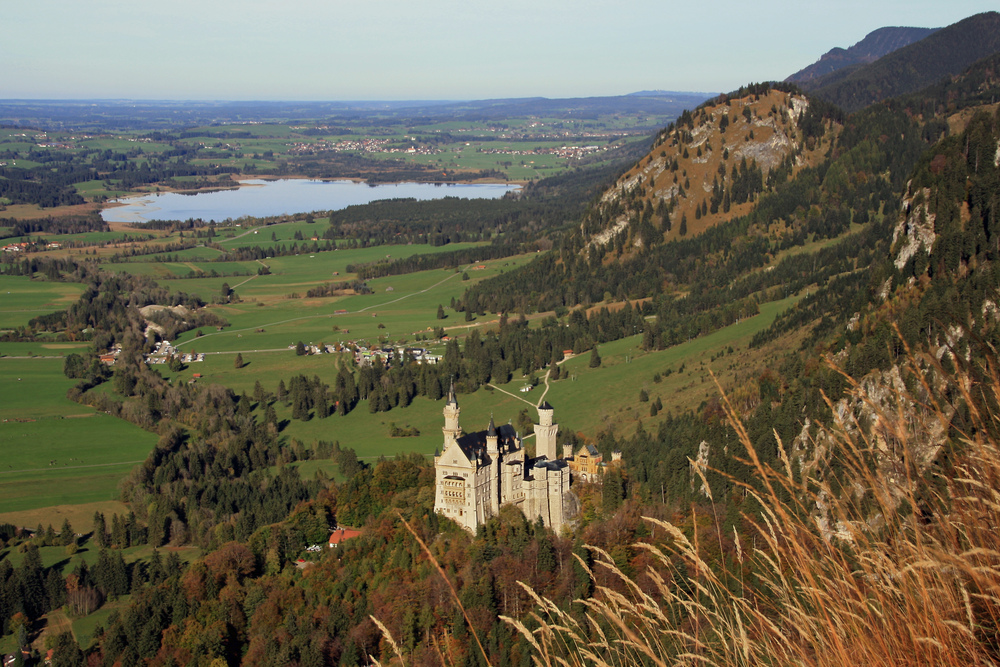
386, 100
315, 50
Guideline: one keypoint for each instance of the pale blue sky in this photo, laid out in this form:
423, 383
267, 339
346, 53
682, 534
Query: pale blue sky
434, 49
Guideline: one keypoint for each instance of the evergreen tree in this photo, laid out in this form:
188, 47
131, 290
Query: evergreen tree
66, 535
66, 652
100, 530
595, 357
613, 491
239, 361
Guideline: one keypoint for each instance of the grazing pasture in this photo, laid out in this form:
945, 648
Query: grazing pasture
22, 298
57, 452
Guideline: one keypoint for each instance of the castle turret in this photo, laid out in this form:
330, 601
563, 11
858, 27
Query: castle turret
545, 433
452, 431
492, 446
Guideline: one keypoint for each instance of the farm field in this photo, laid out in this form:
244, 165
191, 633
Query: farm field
405, 305
22, 299
57, 452
57, 461
288, 275
42, 349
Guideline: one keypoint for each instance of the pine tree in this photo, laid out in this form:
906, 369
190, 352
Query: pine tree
595, 358
100, 530
66, 535
239, 361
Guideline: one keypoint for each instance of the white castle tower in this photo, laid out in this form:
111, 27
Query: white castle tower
545, 433
452, 431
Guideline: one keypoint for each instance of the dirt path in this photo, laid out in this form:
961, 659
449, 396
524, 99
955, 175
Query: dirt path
541, 399
251, 230
504, 391
51, 468
56, 623
558, 363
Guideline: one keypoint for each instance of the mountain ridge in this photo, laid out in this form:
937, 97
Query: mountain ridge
945, 53
875, 44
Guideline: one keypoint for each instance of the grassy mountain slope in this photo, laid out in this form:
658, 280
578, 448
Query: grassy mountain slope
707, 168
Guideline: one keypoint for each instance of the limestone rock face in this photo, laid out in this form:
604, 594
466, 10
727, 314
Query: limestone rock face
915, 229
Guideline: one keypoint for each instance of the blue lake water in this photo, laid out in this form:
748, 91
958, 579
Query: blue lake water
259, 198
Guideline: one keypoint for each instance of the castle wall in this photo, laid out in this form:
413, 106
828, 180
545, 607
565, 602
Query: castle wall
474, 478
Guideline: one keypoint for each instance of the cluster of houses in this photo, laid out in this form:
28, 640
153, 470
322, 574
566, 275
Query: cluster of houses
359, 146
317, 349
562, 151
164, 352
386, 353
365, 355
24, 246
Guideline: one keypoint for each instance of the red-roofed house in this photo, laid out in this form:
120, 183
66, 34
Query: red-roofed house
341, 534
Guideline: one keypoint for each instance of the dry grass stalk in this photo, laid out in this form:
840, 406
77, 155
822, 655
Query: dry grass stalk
454, 595
909, 577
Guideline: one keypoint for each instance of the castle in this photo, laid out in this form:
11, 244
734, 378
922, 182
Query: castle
478, 472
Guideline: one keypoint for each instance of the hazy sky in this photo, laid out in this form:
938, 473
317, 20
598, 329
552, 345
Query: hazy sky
429, 49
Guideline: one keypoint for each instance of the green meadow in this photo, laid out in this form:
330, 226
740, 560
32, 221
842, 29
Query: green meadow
592, 399
57, 452
400, 308
22, 298
588, 402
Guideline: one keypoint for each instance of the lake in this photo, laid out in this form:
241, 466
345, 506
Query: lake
258, 198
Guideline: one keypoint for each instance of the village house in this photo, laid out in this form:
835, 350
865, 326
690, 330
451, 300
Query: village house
341, 535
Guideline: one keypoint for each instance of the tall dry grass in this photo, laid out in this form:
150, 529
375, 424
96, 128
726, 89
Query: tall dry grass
904, 570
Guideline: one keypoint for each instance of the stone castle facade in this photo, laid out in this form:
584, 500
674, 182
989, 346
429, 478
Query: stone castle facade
478, 472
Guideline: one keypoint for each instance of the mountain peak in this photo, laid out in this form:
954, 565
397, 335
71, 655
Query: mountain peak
708, 167
876, 44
